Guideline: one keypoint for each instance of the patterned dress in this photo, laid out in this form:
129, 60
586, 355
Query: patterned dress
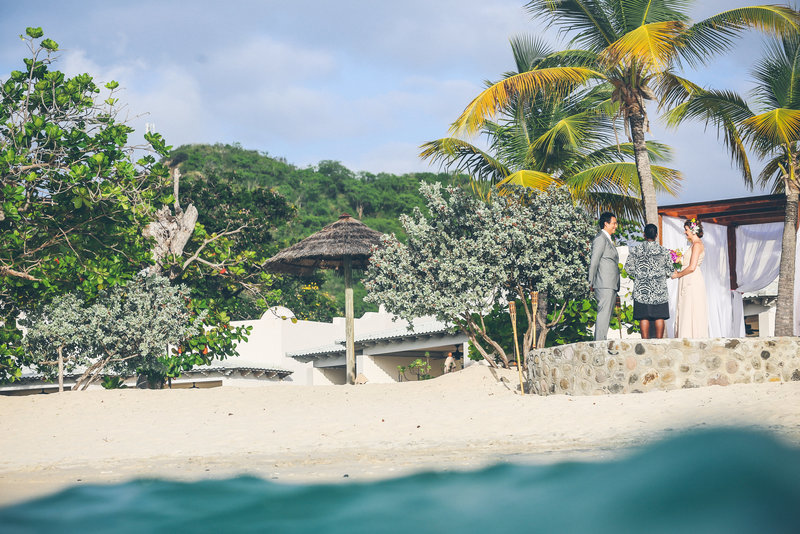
650, 266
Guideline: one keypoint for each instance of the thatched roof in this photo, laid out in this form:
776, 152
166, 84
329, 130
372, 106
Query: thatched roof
327, 248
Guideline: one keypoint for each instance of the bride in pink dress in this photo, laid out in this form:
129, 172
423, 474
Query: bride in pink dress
692, 310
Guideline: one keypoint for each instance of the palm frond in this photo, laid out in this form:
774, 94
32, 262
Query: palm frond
528, 178
778, 74
711, 107
726, 111
460, 156
636, 13
588, 19
555, 81
624, 206
528, 51
715, 34
569, 132
778, 127
658, 152
673, 89
652, 46
772, 174
622, 177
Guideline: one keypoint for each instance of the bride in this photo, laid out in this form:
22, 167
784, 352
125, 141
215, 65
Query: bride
692, 312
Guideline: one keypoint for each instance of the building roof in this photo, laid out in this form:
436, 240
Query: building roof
732, 212
255, 372
423, 331
419, 331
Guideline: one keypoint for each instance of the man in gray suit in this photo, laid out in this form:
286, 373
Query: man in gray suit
604, 273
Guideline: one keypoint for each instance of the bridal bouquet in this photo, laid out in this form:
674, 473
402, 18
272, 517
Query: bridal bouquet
677, 257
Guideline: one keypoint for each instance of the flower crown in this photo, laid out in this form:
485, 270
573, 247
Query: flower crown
694, 226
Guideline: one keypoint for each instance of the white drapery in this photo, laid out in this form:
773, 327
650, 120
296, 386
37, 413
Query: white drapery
758, 258
758, 251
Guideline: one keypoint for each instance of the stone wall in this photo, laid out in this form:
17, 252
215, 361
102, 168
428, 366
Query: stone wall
635, 366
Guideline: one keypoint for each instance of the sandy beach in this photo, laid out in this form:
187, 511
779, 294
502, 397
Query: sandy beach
292, 434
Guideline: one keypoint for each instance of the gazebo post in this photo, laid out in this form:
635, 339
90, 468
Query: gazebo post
350, 350
344, 244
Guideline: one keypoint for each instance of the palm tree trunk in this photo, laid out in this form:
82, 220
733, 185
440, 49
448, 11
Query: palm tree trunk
784, 314
649, 203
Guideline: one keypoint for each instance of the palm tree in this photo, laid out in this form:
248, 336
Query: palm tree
771, 132
539, 141
636, 47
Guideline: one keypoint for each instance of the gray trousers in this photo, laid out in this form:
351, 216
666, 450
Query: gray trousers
606, 298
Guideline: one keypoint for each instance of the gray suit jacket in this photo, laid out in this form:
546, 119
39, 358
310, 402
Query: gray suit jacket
604, 265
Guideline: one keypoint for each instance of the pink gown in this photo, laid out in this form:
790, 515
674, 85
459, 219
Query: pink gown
692, 313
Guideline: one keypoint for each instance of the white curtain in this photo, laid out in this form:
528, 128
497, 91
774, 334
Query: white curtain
715, 273
758, 258
672, 237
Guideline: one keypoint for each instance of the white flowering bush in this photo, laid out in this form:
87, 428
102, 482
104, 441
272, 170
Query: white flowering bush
127, 330
466, 256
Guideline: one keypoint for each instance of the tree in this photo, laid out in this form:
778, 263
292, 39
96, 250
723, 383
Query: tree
636, 46
73, 199
57, 334
468, 256
238, 217
217, 176
127, 330
539, 141
770, 129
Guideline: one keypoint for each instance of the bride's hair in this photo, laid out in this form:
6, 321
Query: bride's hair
695, 226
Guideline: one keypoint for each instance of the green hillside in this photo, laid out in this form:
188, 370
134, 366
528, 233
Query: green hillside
319, 195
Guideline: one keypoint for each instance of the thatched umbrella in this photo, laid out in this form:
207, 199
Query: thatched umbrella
344, 244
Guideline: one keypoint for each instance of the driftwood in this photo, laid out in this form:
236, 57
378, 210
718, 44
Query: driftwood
171, 229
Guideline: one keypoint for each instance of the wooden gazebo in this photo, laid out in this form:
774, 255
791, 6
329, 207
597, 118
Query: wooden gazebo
730, 213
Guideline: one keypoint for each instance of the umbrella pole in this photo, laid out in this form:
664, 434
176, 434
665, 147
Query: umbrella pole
348, 322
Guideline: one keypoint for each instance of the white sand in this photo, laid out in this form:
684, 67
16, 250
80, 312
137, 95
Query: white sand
318, 434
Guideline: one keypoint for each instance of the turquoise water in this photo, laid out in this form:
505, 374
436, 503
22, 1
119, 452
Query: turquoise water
721, 481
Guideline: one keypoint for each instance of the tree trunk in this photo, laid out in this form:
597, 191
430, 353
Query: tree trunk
171, 231
61, 369
349, 334
784, 313
649, 203
541, 320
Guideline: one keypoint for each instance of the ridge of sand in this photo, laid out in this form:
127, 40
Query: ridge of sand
463, 420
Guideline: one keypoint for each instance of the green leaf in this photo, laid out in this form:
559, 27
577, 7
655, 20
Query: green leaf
49, 44
34, 33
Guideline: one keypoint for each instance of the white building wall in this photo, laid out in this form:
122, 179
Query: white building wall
275, 334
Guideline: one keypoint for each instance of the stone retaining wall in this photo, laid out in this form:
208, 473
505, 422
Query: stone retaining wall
635, 366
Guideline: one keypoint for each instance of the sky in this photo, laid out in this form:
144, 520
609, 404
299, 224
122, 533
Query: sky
363, 82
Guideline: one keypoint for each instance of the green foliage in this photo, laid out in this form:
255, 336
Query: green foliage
537, 141
628, 232
577, 318
316, 198
113, 382
72, 199
421, 368
468, 256
126, 331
